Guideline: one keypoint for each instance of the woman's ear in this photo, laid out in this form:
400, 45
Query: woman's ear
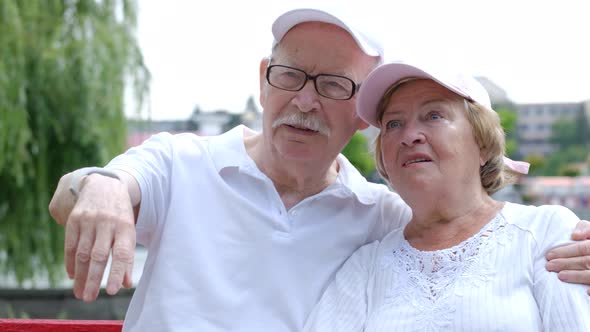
482, 161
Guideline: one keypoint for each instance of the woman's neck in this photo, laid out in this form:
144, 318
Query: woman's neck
445, 223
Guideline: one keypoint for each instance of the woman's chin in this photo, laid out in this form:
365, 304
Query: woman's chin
414, 182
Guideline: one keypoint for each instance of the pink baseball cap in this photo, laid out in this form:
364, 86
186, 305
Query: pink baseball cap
288, 20
384, 76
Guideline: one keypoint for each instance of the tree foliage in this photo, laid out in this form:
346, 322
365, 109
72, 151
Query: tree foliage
572, 138
357, 152
508, 119
563, 133
63, 72
537, 164
571, 132
560, 162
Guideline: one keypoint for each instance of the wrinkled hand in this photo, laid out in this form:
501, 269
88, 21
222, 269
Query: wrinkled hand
100, 220
573, 261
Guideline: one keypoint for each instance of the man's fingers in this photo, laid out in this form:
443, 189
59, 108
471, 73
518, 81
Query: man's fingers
582, 231
577, 249
123, 252
575, 277
572, 263
98, 260
128, 280
82, 261
71, 247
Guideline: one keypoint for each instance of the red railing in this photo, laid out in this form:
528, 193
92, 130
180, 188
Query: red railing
56, 325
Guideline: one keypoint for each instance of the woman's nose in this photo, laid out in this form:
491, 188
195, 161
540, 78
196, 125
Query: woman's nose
412, 134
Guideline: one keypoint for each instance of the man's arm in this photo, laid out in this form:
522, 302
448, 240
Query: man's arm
100, 220
573, 261
563, 306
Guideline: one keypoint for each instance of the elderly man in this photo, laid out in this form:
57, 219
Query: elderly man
244, 230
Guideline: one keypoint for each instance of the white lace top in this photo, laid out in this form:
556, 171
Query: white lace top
494, 281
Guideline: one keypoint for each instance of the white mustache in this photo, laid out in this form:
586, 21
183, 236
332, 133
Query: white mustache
308, 121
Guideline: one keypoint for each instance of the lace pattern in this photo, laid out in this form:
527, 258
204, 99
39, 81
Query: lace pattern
430, 281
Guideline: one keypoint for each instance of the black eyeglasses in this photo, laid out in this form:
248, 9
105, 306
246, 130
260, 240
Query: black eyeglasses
293, 79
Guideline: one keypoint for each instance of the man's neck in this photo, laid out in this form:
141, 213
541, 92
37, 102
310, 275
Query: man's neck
294, 180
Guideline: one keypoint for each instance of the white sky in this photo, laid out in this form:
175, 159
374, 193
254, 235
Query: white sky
207, 53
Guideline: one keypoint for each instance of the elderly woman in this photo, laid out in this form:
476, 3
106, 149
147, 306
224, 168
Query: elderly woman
465, 262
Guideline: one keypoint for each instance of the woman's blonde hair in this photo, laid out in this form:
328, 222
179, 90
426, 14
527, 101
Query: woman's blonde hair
488, 134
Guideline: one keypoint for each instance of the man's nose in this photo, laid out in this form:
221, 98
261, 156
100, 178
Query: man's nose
307, 99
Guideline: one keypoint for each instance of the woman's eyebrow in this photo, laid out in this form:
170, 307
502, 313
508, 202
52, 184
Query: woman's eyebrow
434, 101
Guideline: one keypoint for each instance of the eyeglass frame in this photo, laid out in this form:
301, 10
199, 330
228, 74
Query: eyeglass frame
308, 77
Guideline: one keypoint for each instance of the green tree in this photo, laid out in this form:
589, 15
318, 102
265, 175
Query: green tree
357, 152
537, 164
564, 133
559, 161
508, 119
569, 170
573, 140
63, 72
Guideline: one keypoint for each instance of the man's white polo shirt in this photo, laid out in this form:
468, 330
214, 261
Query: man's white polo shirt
223, 252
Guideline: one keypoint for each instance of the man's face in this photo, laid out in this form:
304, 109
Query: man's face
302, 125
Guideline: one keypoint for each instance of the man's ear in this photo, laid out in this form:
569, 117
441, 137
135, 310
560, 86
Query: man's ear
263, 65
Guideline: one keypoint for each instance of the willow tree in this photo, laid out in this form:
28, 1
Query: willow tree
64, 69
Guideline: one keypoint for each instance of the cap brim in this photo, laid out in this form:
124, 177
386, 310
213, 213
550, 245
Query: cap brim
384, 76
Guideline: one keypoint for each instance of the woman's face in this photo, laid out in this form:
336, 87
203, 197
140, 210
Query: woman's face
427, 142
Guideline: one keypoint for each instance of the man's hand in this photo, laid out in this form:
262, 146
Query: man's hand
573, 261
100, 220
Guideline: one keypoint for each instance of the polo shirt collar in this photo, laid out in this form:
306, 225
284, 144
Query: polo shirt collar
228, 150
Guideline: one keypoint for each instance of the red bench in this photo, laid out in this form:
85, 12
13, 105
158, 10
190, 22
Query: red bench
57, 325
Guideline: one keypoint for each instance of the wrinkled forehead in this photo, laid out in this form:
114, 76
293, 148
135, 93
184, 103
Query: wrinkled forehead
322, 47
314, 33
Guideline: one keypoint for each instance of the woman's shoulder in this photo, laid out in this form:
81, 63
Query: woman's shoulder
527, 215
541, 221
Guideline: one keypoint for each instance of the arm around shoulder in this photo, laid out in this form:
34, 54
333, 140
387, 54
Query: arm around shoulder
563, 306
343, 307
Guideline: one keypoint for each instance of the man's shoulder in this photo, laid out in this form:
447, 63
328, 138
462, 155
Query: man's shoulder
367, 191
229, 141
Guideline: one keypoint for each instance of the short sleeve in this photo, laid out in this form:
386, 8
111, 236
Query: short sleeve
150, 164
563, 306
343, 307
394, 213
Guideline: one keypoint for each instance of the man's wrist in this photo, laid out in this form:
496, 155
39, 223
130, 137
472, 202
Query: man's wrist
80, 174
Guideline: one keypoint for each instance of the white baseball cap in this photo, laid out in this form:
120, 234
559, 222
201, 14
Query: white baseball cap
288, 20
384, 76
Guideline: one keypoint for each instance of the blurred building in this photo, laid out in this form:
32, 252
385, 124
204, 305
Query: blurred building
571, 192
219, 121
535, 123
200, 122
